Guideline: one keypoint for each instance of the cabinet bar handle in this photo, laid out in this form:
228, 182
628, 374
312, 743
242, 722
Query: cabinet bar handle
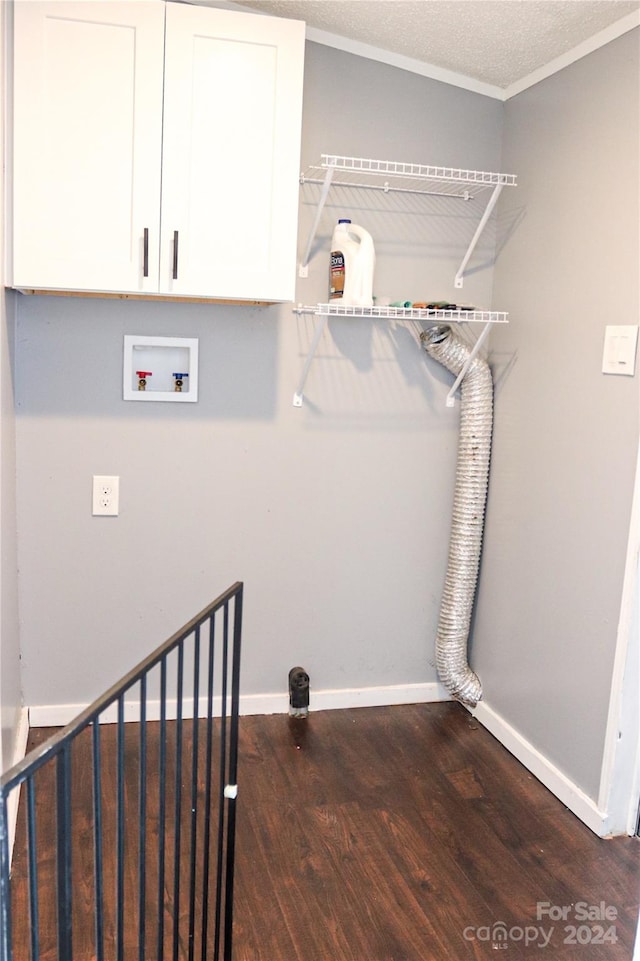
145, 255
175, 254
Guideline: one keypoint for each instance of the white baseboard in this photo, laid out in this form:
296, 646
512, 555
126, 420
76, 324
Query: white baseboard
57, 715
19, 751
386, 695
552, 777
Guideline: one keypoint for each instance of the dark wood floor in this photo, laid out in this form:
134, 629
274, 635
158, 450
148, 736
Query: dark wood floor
405, 834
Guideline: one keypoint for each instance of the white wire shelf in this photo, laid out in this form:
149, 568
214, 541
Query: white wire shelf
429, 314
424, 316
402, 177
409, 178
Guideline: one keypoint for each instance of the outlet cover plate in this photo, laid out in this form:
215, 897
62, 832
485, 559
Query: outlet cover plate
105, 495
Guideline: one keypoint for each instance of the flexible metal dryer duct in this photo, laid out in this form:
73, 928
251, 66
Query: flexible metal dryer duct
470, 497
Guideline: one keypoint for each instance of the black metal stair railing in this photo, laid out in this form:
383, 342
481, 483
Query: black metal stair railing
124, 848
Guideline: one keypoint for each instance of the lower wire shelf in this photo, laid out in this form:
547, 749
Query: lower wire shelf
431, 314
426, 315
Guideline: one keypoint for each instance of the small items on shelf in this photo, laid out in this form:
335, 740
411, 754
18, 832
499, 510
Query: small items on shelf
439, 305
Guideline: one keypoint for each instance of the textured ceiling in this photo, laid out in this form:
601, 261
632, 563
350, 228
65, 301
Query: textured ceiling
493, 41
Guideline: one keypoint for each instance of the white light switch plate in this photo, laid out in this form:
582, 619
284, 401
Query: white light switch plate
619, 355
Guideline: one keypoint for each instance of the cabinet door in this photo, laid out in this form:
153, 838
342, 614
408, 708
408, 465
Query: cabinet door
87, 143
231, 154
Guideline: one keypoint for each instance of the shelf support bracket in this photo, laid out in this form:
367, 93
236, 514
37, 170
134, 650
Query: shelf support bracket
459, 278
303, 270
451, 399
322, 323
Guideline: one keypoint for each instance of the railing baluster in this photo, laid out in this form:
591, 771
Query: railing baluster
120, 826
206, 853
63, 852
178, 806
194, 792
162, 771
233, 777
97, 841
222, 779
34, 919
142, 822
6, 951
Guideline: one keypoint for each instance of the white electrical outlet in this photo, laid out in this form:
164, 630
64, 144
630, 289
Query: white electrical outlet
105, 495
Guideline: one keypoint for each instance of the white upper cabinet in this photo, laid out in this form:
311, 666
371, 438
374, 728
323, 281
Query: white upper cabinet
231, 154
87, 135
153, 161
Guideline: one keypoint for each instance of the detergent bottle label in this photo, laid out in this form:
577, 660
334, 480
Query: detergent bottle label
336, 279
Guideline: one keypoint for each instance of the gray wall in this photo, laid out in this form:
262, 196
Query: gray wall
336, 515
566, 435
10, 679
10, 684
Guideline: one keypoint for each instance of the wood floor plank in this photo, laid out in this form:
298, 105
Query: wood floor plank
378, 834
472, 860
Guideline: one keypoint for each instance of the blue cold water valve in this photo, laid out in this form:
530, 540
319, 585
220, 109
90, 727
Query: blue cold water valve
179, 380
